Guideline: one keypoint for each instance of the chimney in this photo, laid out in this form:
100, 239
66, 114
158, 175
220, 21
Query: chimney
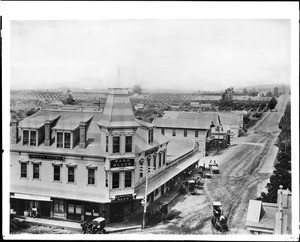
14, 131
82, 135
47, 133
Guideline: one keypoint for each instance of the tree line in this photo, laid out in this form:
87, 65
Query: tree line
282, 173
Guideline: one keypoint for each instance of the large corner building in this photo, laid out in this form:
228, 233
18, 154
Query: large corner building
79, 164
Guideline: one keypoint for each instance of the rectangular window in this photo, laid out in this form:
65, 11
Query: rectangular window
32, 137
173, 132
156, 192
56, 173
59, 205
149, 161
128, 177
115, 180
67, 140
71, 208
196, 133
141, 174
116, 144
159, 159
185, 132
60, 143
154, 162
163, 131
150, 135
25, 137
71, 174
36, 171
128, 146
91, 176
24, 170
106, 180
106, 147
164, 157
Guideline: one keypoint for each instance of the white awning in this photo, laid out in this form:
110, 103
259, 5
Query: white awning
31, 197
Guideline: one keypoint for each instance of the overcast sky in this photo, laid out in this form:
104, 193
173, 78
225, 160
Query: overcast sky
158, 54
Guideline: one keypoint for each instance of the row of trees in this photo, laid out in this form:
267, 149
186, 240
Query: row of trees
282, 173
251, 92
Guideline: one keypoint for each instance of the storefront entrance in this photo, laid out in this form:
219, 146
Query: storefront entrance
74, 210
45, 209
116, 212
91, 211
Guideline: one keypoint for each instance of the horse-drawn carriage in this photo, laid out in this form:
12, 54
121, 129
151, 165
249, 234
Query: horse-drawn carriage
218, 220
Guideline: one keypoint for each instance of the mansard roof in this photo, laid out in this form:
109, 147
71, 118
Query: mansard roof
118, 111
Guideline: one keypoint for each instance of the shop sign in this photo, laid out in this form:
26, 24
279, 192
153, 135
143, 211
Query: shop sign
148, 152
46, 157
121, 163
123, 197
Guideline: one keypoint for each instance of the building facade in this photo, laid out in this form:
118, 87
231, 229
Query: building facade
192, 126
81, 164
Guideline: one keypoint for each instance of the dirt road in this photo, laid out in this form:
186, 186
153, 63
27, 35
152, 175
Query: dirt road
245, 167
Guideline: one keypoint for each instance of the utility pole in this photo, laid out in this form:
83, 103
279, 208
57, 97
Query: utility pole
145, 205
148, 170
218, 139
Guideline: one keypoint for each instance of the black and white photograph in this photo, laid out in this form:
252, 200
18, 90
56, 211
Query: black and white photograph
172, 120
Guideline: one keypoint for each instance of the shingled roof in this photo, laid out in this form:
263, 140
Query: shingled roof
186, 120
118, 111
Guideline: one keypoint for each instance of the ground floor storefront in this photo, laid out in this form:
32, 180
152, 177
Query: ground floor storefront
74, 210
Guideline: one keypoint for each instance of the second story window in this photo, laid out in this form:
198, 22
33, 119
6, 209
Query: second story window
185, 132
154, 162
164, 157
173, 132
116, 144
115, 180
91, 176
60, 140
196, 133
57, 173
106, 143
163, 131
24, 170
159, 159
71, 174
25, 137
128, 145
150, 135
32, 137
36, 171
128, 178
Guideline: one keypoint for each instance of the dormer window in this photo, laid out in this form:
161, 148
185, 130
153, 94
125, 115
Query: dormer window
150, 135
29, 137
25, 137
63, 140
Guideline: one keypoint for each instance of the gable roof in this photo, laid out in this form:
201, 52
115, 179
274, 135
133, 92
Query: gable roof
186, 120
